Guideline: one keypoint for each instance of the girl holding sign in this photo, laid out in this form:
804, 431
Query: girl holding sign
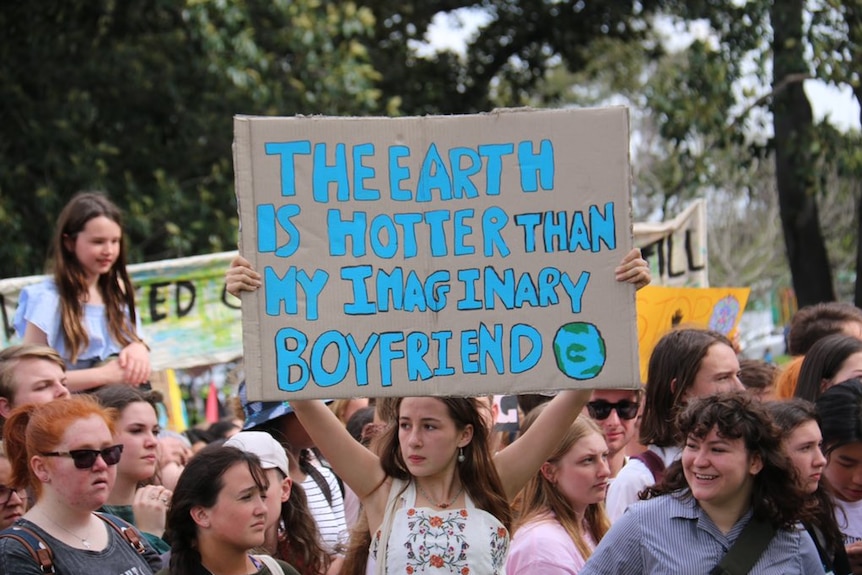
436, 496
86, 311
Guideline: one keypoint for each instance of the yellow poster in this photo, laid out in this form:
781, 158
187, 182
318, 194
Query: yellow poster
661, 309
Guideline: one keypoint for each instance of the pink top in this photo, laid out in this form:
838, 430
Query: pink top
543, 547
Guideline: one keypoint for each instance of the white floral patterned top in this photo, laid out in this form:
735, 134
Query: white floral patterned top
465, 541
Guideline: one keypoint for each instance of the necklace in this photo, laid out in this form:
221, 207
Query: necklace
84, 540
444, 504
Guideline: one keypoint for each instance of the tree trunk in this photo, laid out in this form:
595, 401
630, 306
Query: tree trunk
857, 295
853, 17
795, 161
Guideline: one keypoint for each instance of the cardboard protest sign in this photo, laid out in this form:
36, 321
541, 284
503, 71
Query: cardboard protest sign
660, 309
454, 255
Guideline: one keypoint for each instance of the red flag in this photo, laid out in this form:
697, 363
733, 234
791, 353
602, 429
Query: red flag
212, 404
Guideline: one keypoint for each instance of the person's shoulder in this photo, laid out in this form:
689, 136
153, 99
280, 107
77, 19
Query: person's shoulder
41, 288
633, 477
540, 527
797, 543
9, 542
634, 469
662, 507
287, 567
14, 554
38, 304
38, 294
543, 544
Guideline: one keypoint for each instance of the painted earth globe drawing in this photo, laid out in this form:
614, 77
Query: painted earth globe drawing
580, 350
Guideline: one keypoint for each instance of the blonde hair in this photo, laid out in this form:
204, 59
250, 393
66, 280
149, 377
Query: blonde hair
540, 496
12, 356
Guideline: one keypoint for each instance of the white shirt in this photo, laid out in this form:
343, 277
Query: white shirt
633, 478
849, 517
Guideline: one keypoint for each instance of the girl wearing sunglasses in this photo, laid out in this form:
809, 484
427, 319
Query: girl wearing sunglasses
65, 451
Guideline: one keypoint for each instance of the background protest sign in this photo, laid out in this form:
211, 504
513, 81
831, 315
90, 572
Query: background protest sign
188, 318
661, 309
450, 255
676, 249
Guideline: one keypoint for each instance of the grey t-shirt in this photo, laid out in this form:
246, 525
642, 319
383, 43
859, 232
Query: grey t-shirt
118, 558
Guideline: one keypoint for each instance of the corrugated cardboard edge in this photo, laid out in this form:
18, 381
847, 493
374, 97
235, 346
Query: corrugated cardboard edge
244, 184
636, 376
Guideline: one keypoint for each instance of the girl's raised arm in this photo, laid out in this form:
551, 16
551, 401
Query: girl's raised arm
356, 465
520, 460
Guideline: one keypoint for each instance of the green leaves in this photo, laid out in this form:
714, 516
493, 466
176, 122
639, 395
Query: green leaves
137, 99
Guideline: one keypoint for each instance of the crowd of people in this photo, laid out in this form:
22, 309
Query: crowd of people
710, 466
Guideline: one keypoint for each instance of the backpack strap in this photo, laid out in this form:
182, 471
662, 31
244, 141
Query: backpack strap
653, 462
746, 550
34, 544
126, 530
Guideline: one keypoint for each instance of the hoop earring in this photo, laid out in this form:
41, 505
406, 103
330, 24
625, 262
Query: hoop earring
461, 457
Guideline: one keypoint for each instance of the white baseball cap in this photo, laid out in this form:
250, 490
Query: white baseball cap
268, 450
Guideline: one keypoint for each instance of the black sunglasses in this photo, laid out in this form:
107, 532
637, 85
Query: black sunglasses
601, 409
86, 458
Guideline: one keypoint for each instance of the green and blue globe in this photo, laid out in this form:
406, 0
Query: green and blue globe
580, 350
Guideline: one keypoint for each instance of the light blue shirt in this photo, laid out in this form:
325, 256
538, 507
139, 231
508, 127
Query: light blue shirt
39, 304
672, 535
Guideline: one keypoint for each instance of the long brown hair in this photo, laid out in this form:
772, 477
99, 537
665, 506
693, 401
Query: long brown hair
199, 485
823, 362
789, 415
540, 496
477, 472
301, 546
115, 286
673, 366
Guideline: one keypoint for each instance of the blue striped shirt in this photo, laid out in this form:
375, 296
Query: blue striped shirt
672, 535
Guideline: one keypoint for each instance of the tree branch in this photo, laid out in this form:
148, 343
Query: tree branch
785, 82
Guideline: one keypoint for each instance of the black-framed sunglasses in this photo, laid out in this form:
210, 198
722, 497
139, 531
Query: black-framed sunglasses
6, 494
86, 458
601, 409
